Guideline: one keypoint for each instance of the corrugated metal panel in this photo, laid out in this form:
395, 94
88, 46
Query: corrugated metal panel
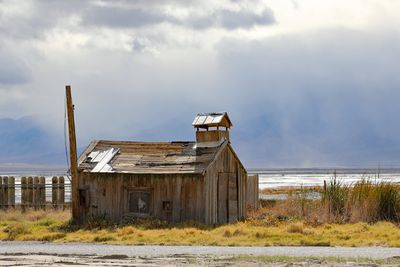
195, 120
103, 165
212, 119
201, 120
217, 119
209, 119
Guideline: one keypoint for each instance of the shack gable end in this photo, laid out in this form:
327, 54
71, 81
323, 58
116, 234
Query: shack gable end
225, 186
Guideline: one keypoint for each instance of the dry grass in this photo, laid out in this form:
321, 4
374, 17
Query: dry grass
259, 230
288, 190
32, 225
364, 201
34, 215
365, 215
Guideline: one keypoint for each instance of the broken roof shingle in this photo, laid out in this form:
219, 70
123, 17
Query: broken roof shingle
150, 157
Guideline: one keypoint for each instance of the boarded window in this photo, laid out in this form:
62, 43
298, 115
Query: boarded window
139, 202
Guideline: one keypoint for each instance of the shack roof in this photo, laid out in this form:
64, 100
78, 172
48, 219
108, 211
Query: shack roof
205, 120
147, 157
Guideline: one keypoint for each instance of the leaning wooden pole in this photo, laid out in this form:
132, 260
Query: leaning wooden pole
72, 154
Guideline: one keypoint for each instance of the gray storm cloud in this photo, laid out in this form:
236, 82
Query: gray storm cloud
13, 71
127, 16
141, 72
327, 98
232, 19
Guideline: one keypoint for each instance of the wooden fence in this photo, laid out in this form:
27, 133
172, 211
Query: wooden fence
252, 192
32, 192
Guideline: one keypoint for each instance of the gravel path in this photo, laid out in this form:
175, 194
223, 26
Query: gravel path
154, 251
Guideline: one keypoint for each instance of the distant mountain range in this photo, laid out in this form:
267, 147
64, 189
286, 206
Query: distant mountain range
25, 141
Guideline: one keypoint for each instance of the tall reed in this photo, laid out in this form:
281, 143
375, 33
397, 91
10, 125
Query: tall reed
365, 201
334, 198
388, 197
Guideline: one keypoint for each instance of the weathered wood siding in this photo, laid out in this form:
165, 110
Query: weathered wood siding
252, 192
107, 193
225, 163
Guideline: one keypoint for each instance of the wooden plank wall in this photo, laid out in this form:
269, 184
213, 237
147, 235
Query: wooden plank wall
223, 180
193, 197
108, 194
225, 162
242, 192
252, 192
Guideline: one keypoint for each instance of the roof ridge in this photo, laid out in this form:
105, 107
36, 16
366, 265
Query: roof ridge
143, 142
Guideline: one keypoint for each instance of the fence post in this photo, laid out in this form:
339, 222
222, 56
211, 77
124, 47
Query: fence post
1, 192
54, 191
30, 191
42, 190
2, 196
36, 192
11, 191
61, 194
23, 193
5, 192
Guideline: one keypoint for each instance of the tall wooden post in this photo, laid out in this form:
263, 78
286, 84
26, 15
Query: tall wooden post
72, 154
29, 193
5, 192
36, 192
42, 183
54, 191
1, 193
24, 194
11, 192
61, 192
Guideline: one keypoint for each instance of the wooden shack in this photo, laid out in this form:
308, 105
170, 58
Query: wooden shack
201, 181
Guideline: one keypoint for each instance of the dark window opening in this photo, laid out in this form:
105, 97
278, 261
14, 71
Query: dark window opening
83, 201
167, 206
139, 202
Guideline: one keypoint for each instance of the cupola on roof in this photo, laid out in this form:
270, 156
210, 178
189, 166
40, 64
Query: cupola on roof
216, 119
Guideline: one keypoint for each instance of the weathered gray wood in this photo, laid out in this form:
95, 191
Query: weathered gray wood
191, 196
24, 193
35, 193
42, 192
73, 155
252, 192
176, 209
225, 161
61, 192
5, 192
222, 198
11, 192
233, 198
1, 193
30, 191
54, 191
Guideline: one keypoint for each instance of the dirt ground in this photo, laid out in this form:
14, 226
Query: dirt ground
173, 260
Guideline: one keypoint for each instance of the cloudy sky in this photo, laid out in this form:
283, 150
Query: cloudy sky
306, 83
